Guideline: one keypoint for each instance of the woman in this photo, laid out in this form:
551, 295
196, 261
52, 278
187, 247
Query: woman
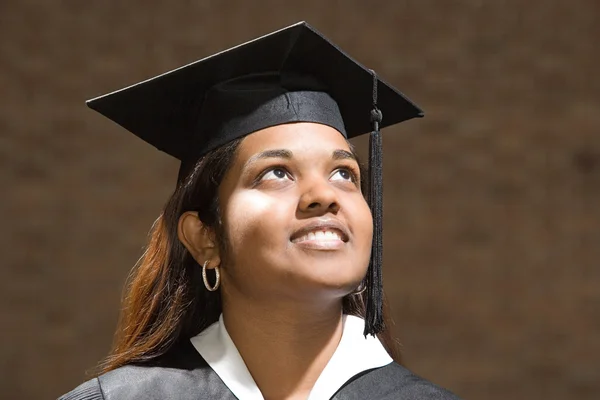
262, 278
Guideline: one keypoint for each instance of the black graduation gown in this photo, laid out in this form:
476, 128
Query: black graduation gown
185, 375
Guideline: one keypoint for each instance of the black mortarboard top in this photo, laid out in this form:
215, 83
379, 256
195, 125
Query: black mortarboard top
292, 75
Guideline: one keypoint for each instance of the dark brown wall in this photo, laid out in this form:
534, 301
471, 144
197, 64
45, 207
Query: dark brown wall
492, 217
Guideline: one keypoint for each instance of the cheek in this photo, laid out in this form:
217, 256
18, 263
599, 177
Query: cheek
254, 220
362, 221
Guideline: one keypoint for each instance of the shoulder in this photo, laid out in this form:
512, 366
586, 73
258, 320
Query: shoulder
184, 375
144, 382
89, 390
391, 382
413, 386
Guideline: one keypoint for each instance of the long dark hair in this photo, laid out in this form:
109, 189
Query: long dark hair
165, 300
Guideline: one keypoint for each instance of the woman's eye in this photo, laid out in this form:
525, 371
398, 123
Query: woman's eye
275, 173
343, 175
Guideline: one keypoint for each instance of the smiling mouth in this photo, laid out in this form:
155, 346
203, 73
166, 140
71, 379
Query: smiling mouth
320, 236
328, 239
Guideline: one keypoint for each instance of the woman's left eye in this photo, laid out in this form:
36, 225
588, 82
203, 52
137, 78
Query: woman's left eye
343, 174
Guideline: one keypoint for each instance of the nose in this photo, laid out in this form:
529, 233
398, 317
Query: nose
318, 197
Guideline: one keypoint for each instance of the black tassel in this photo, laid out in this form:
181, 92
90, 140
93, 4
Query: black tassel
374, 283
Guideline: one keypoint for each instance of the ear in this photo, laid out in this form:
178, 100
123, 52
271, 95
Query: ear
198, 239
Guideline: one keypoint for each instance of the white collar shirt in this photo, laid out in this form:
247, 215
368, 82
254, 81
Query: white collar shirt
354, 354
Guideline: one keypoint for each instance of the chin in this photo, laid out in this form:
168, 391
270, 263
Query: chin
331, 277
335, 283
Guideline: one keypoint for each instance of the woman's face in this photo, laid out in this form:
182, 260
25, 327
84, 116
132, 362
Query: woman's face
295, 219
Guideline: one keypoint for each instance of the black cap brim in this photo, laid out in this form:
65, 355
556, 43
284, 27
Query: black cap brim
163, 110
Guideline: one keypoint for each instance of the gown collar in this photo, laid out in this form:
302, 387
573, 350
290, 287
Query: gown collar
354, 354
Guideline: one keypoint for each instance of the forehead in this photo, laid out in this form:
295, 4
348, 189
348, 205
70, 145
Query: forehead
299, 138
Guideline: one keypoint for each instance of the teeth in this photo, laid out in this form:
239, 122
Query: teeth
319, 235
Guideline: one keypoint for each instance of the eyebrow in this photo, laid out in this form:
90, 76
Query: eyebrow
276, 153
288, 155
343, 155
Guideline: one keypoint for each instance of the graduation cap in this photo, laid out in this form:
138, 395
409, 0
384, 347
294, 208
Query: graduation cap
292, 75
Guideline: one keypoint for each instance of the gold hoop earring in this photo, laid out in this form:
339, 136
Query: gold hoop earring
359, 290
205, 279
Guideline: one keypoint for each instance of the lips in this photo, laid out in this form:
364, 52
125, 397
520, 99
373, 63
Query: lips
327, 235
329, 230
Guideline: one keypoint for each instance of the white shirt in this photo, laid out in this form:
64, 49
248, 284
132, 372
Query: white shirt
354, 354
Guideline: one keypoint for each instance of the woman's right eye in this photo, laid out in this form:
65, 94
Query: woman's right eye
275, 174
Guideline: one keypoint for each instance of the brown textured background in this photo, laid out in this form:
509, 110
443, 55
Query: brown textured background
492, 217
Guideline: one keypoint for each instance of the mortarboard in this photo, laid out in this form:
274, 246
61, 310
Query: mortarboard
292, 75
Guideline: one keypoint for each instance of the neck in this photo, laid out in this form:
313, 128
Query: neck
284, 348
